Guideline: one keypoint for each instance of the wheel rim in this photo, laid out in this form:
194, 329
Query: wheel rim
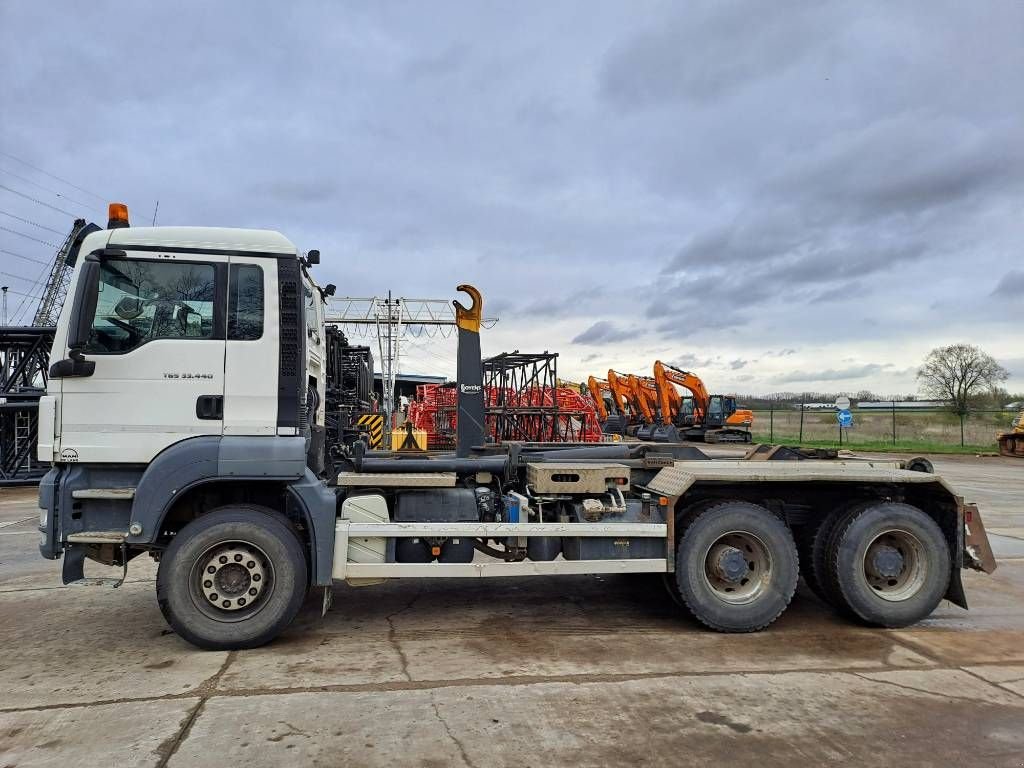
232, 581
737, 567
894, 565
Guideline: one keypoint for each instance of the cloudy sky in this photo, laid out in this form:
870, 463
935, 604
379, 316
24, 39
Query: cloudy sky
780, 196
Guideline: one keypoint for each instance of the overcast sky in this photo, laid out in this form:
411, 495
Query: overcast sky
780, 196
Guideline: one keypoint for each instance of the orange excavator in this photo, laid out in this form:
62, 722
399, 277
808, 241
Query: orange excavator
637, 398
611, 408
645, 395
704, 417
622, 393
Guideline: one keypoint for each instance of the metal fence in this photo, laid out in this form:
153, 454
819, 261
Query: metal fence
894, 426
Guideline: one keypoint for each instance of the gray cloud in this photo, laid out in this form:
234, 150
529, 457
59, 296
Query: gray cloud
675, 60
584, 301
1010, 285
832, 374
605, 331
689, 360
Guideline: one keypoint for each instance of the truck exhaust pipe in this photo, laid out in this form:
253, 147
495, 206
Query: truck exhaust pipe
470, 430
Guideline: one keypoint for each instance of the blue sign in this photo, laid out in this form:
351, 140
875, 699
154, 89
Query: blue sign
845, 418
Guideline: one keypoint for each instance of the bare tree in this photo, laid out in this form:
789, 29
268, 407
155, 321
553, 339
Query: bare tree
957, 373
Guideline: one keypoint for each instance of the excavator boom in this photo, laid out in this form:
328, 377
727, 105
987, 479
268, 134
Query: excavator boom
667, 375
597, 389
644, 396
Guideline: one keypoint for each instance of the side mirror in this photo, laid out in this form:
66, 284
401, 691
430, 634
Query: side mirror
69, 367
330, 289
87, 295
313, 257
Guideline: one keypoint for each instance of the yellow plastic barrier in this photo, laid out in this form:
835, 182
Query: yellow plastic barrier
409, 439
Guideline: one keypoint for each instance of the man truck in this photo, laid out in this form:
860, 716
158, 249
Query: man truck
184, 421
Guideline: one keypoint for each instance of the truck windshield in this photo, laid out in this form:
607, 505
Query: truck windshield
141, 301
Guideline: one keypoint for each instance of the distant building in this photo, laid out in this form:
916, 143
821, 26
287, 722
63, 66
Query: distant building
406, 383
901, 405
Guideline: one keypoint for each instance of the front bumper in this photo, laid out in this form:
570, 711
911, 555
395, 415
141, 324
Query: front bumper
49, 538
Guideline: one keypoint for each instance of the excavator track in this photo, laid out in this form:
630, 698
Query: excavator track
1011, 445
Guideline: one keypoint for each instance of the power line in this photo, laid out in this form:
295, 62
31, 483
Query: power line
33, 223
19, 293
58, 178
28, 197
28, 237
16, 277
421, 347
46, 189
35, 284
26, 258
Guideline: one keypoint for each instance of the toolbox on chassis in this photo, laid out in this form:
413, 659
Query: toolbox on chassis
184, 420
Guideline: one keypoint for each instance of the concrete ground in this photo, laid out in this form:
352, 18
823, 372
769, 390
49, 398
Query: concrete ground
588, 671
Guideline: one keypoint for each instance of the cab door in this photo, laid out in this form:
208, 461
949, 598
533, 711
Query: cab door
253, 332
158, 343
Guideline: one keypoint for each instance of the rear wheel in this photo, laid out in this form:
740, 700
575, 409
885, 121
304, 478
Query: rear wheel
233, 578
890, 564
736, 566
816, 544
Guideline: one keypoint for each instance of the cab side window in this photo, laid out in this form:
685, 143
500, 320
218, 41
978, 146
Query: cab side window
245, 302
142, 301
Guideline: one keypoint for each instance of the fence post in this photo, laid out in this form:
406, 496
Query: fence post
771, 421
961, 430
894, 422
802, 399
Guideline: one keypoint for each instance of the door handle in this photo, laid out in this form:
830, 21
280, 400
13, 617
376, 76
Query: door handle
210, 407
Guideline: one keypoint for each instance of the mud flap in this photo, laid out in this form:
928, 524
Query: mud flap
955, 593
977, 549
73, 568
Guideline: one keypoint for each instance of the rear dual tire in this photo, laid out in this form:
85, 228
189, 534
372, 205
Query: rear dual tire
886, 564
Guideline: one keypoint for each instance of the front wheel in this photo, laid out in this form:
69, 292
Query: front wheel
233, 578
736, 566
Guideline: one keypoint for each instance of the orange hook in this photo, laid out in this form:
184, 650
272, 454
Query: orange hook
468, 319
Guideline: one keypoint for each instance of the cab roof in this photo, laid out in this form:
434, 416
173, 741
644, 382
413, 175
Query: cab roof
202, 238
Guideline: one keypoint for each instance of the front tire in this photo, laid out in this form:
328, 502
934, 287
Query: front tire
736, 566
233, 578
890, 563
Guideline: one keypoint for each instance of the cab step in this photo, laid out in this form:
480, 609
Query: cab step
98, 537
122, 494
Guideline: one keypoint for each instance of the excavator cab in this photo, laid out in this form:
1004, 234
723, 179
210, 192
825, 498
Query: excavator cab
720, 408
687, 415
